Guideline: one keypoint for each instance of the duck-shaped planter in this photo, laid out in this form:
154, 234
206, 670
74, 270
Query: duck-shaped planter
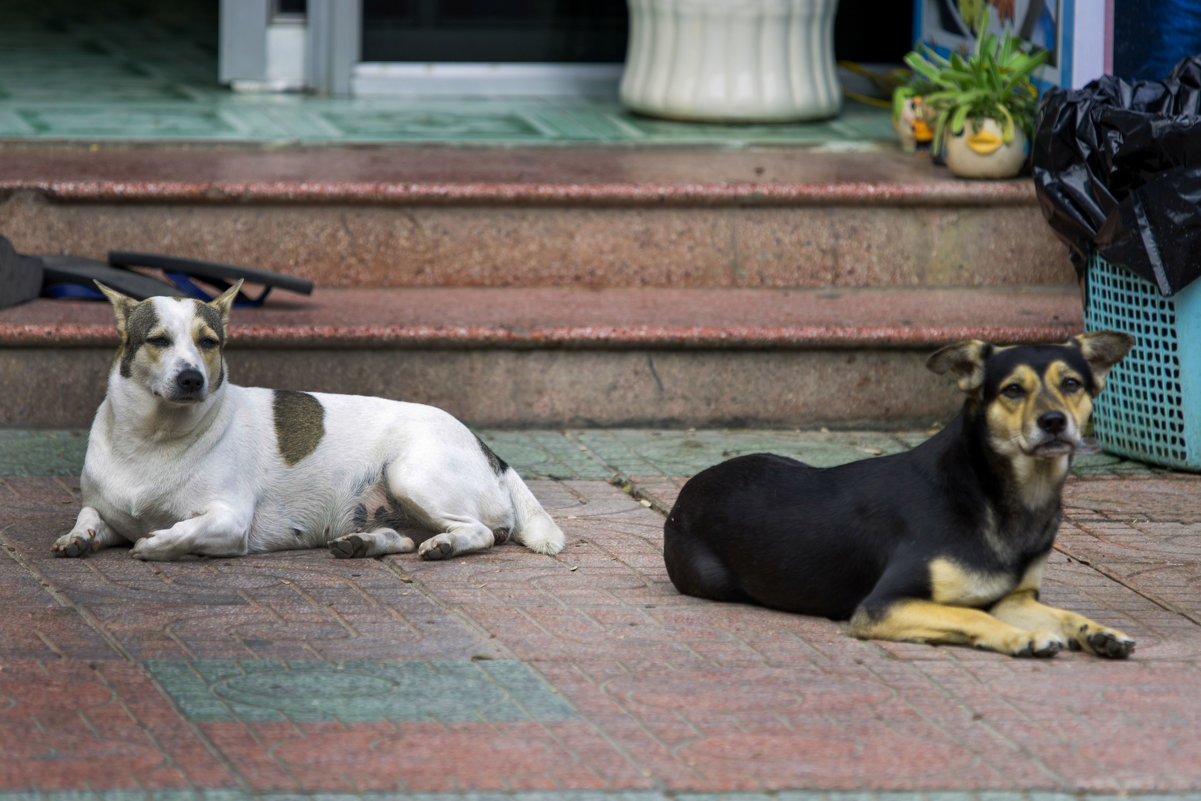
982, 99
980, 151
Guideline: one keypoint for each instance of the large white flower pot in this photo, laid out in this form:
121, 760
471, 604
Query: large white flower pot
732, 60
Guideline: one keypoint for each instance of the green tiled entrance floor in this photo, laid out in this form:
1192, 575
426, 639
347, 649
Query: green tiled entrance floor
511, 676
71, 71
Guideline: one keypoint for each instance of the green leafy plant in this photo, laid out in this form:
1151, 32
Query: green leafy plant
994, 81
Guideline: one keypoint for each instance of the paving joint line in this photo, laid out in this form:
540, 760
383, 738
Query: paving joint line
395, 567
619, 479
219, 755
1113, 576
94, 623
168, 756
649, 500
62, 600
651, 735
614, 472
1017, 746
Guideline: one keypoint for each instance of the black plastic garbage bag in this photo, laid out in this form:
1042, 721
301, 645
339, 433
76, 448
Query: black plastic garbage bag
1117, 170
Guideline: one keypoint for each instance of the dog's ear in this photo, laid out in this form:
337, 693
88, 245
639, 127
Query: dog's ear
1102, 350
123, 305
226, 301
964, 360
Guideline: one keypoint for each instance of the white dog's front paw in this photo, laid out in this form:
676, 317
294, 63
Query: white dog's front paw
440, 546
351, 546
75, 543
155, 547
379, 542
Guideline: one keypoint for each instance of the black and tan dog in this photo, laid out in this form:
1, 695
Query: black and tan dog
945, 543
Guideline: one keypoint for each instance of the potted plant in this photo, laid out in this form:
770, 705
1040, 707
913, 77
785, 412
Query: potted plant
984, 104
912, 117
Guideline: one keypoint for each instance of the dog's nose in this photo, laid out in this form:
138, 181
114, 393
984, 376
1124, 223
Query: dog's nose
190, 381
1053, 422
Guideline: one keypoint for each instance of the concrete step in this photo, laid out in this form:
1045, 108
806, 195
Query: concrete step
544, 286
613, 217
571, 357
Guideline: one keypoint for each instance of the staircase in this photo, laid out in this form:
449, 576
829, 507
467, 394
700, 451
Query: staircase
544, 286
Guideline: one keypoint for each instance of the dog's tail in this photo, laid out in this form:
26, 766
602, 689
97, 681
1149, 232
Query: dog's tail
535, 529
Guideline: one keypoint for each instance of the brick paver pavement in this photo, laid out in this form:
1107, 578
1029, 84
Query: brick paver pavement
585, 677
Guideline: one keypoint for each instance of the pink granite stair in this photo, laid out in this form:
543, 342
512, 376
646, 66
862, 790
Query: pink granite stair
555, 287
600, 319
679, 218
536, 356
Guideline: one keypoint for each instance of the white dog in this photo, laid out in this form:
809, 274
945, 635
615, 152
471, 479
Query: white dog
180, 461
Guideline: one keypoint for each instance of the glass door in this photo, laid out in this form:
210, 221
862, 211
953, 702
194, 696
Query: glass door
424, 46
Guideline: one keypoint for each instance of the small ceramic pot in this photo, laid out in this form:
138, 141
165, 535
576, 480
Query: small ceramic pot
732, 60
980, 152
914, 125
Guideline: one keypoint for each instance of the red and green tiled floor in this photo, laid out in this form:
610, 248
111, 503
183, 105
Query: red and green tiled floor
585, 677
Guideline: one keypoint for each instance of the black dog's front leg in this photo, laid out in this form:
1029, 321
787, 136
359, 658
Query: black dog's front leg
1023, 609
919, 599
914, 620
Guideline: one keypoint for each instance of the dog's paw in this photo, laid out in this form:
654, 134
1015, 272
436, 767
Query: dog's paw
155, 547
73, 544
437, 547
1109, 643
1041, 644
352, 546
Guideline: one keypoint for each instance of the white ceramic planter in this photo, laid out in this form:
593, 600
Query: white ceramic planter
732, 60
980, 153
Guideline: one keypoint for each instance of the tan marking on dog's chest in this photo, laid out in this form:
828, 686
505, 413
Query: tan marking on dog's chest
299, 424
952, 584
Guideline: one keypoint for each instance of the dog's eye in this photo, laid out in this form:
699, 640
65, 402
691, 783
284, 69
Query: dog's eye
208, 343
1070, 385
159, 341
1013, 391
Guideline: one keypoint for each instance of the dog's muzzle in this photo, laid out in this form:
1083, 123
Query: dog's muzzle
1055, 436
189, 386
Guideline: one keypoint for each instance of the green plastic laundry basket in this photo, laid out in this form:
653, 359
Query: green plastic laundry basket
1151, 407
